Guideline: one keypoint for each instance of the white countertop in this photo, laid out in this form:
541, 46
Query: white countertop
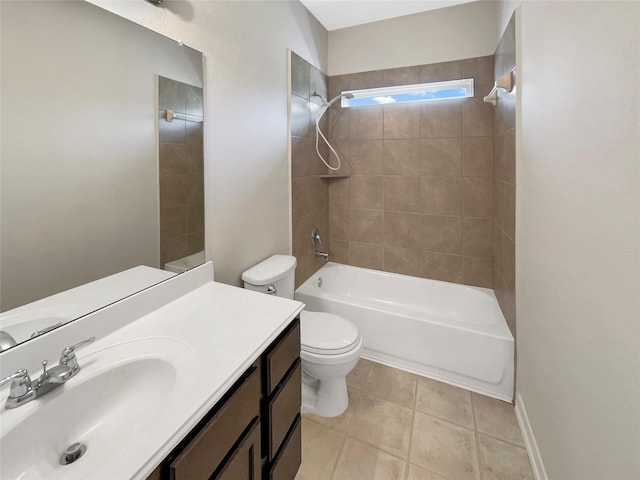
228, 328
222, 330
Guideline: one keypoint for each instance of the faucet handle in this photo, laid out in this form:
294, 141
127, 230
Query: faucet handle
315, 237
21, 383
68, 357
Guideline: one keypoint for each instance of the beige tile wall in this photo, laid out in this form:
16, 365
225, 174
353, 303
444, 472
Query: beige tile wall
505, 183
181, 165
419, 198
309, 190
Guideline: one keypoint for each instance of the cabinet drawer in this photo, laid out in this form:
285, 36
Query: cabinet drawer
245, 461
205, 452
283, 408
286, 465
282, 356
155, 475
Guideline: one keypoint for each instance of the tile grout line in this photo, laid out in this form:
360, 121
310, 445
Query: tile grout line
413, 421
446, 420
341, 451
376, 447
364, 392
476, 435
500, 439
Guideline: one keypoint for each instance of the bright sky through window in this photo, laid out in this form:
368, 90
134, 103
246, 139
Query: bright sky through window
410, 93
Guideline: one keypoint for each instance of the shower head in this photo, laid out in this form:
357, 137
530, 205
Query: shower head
328, 103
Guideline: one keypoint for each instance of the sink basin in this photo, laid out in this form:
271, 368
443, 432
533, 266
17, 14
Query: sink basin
115, 400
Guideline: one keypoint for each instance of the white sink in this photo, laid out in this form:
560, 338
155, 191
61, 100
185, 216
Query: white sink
120, 392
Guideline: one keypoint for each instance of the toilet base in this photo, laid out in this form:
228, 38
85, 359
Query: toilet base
324, 398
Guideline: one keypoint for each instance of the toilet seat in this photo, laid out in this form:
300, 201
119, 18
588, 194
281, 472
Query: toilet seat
327, 334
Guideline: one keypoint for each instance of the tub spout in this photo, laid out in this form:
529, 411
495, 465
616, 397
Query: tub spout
323, 255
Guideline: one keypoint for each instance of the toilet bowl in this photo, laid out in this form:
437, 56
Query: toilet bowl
330, 345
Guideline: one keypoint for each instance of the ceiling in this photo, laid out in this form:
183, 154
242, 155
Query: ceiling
335, 14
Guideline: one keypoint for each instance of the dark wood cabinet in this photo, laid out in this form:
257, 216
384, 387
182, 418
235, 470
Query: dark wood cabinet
280, 356
286, 464
245, 462
253, 432
215, 440
283, 409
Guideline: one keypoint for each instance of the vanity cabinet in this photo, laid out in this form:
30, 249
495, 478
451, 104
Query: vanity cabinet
282, 397
253, 432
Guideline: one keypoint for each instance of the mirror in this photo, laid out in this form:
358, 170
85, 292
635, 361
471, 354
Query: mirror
95, 179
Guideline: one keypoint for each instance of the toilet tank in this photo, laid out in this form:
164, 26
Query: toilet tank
275, 275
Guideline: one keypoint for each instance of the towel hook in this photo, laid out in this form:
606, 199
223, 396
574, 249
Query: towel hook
505, 82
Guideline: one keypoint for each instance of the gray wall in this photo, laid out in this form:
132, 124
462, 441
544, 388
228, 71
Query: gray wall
578, 225
246, 141
79, 192
454, 33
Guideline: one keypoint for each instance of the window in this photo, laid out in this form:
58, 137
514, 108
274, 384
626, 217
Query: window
409, 93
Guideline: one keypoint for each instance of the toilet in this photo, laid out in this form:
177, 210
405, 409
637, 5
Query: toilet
330, 344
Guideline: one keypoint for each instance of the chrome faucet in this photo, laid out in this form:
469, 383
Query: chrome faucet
316, 241
323, 255
23, 389
6, 340
37, 333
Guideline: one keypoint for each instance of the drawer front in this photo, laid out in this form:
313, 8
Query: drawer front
286, 465
245, 462
155, 475
282, 356
283, 409
205, 452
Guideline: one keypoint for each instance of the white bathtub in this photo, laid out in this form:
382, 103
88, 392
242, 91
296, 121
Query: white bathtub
450, 332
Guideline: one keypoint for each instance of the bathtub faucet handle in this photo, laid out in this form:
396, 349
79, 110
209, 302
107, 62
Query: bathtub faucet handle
315, 237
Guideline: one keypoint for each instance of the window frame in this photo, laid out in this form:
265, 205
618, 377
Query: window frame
413, 89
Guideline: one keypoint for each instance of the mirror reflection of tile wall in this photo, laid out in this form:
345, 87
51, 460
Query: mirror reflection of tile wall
181, 170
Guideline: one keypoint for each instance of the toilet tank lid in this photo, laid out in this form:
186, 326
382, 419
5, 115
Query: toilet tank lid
270, 270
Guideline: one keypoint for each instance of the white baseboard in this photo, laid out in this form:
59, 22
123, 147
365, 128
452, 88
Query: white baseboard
530, 441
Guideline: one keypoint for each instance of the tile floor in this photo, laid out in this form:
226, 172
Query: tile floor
405, 427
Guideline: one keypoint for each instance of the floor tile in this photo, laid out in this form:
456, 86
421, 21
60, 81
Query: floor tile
496, 418
320, 449
503, 461
418, 473
357, 376
445, 401
391, 384
341, 422
446, 449
383, 424
445, 433
359, 461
